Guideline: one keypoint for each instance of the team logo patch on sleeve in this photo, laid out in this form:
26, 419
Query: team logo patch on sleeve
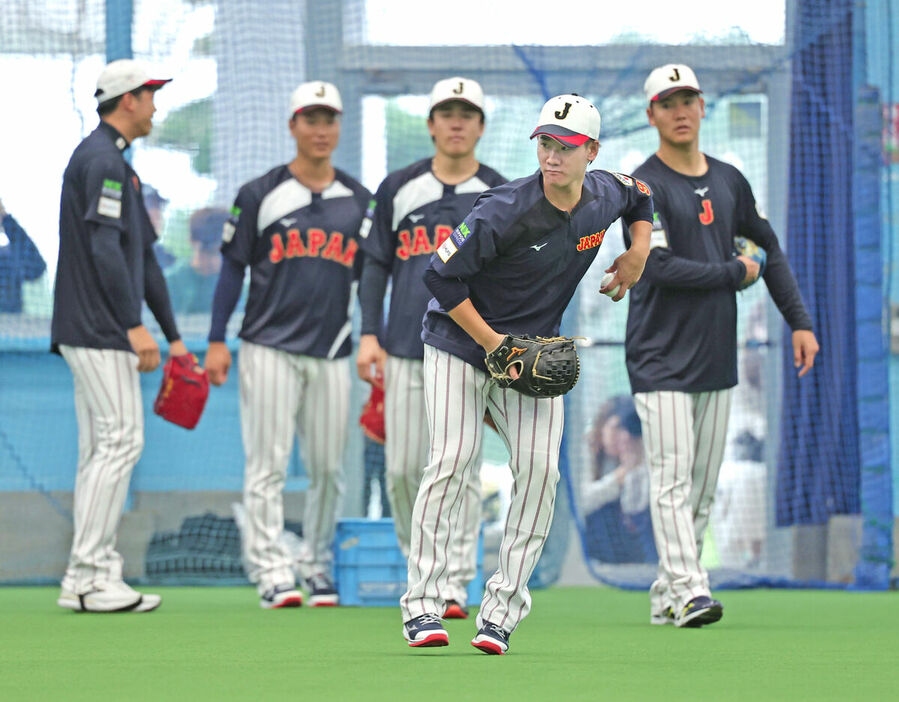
110, 202
461, 233
447, 249
230, 225
643, 187
625, 180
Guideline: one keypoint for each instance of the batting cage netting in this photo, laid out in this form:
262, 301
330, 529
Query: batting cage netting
800, 98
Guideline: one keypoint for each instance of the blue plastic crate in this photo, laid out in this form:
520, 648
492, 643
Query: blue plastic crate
369, 568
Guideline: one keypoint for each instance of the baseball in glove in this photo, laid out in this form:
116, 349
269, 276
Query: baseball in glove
747, 247
547, 367
183, 393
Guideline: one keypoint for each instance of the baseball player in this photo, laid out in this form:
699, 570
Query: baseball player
414, 211
681, 340
296, 228
106, 269
511, 266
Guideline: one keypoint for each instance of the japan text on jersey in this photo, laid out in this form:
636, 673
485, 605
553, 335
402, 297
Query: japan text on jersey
412, 215
519, 259
301, 247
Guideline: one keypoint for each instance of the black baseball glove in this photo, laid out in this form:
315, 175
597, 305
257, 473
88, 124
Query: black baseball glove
547, 367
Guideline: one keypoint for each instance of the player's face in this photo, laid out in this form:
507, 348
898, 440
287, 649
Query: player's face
456, 128
677, 117
316, 132
142, 109
564, 166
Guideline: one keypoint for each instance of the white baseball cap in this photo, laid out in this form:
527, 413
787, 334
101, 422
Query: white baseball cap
457, 88
123, 76
569, 119
668, 79
316, 93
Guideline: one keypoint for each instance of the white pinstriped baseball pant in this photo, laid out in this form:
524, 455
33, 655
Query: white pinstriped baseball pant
406, 454
110, 418
684, 435
283, 395
456, 398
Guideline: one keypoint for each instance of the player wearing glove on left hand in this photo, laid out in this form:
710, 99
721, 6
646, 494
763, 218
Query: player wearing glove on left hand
510, 267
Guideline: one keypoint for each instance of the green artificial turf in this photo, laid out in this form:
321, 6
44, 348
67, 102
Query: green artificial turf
577, 644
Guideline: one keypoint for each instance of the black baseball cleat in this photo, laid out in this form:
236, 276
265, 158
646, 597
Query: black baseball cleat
322, 592
454, 610
698, 612
425, 631
491, 639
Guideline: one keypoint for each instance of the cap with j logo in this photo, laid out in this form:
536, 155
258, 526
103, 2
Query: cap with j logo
569, 119
316, 93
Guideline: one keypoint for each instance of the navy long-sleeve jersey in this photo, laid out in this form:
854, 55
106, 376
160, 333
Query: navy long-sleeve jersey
682, 320
301, 248
519, 259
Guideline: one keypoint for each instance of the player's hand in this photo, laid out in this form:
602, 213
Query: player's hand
145, 347
805, 348
370, 360
177, 348
628, 268
218, 362
752, 270
490, 347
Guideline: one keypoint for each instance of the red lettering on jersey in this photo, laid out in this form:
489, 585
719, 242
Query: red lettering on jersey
350, 254
334, 249
316, 238
295, 246
707, 216
276, 255
591, 241
441, 234
405, 250
421, 245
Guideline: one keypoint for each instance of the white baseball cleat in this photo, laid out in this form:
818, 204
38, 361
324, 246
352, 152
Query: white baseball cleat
108, 597
280, 597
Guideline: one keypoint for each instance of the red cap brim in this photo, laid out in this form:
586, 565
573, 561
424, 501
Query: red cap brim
573, 140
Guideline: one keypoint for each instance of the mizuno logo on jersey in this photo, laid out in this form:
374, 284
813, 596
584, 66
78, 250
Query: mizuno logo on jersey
537, 247
287, 221
591, 241
701, 191
317, 244
415, 217
418, 243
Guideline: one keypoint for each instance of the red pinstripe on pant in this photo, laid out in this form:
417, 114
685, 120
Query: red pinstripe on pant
684, 435
532, 431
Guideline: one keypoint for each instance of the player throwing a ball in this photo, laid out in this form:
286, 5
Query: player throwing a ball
681, 341
510, 267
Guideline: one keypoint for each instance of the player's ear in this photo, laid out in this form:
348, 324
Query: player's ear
652, 122
701, 107
592, 149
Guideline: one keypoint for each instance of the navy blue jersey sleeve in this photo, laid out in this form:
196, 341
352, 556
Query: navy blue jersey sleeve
240, 231
157, 295
665, 269
639, 207
372, 288
227, 293
113, 276
778, 276
104, 183
471, 245
377, 236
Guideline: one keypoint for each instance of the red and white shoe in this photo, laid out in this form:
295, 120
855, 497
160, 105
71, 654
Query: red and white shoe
281, 596
425, 631
491, 639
